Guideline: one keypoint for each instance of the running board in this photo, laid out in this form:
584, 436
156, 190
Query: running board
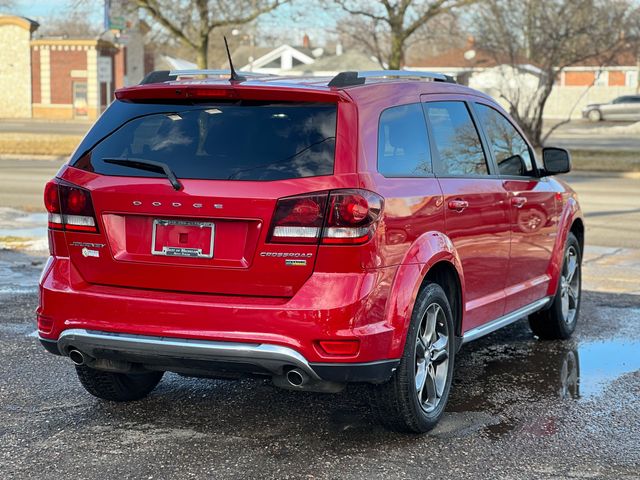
508, 319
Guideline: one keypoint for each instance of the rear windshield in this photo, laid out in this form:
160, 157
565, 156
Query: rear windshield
224, 142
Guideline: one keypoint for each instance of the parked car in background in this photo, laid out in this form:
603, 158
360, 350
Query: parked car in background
309, 231
626, 107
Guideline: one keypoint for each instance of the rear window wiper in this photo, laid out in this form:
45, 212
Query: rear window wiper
149, 165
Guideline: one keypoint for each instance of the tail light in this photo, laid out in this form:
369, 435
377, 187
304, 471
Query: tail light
337, 217
70, 207
352, 216
298, 219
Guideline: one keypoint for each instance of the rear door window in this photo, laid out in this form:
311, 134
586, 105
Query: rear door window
509, 149
403, 147
455, 139
225, 142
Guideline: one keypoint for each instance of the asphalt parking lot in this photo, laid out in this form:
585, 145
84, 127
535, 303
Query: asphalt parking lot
520, 408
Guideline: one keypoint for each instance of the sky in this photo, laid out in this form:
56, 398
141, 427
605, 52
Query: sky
295, 21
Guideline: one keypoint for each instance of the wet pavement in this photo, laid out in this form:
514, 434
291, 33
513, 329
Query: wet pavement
520, 408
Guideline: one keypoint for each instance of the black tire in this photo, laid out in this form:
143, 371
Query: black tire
553, 323
117, 387
395, 402
594, 115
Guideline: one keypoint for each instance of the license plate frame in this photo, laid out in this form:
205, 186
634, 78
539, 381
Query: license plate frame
178, 251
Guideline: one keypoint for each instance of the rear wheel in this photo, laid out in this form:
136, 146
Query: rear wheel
117, 387
560, 319
415, 397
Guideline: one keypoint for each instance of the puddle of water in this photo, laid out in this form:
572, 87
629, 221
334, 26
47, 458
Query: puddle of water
536, 372
600, 363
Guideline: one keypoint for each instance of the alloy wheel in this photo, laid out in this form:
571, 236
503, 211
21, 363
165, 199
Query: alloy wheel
570, 285
432, 358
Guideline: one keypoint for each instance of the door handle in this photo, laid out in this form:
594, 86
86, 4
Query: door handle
458, 205
518, 202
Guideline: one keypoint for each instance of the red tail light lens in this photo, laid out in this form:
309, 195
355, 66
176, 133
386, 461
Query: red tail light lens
69, 207
298, 219
52, 204
352, 216
337, 217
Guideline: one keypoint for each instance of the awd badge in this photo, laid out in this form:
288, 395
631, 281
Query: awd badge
295, 262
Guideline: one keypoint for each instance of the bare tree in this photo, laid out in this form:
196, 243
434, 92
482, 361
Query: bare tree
74, 20
550, 35
193, 21
391, 24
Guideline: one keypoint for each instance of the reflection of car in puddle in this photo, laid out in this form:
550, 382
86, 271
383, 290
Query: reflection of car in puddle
550, 371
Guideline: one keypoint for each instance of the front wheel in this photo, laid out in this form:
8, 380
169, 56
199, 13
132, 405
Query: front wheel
413, 400
595, 115
560, 319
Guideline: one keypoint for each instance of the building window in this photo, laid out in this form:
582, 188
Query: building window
631, 78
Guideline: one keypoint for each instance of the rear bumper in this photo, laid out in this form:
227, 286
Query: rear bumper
163, 352
269, 332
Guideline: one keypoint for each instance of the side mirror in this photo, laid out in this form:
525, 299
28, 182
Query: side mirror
556, 161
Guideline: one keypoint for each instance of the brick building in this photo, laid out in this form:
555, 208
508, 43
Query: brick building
62, 78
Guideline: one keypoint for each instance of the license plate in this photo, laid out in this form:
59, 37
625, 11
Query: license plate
182, 238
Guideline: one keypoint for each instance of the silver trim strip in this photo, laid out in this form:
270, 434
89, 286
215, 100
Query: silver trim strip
401, 74
508, 319
268, 356
190, 72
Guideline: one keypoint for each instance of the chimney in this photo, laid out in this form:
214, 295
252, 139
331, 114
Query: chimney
306, 42
471, 43
338, 49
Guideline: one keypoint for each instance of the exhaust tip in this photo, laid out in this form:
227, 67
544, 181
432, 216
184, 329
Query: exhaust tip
77, 357
297, 377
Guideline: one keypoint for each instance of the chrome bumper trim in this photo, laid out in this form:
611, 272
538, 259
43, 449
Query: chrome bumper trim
270, 357
512, 317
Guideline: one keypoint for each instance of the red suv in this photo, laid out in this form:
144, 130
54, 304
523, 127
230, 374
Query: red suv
316, 232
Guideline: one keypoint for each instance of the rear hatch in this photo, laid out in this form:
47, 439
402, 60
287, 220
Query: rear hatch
209, 231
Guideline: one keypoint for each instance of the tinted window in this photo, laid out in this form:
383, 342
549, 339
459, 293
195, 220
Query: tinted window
456, 139
507, 145
235, 142
403, 148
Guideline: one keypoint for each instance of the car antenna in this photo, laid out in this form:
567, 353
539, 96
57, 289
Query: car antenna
234, 75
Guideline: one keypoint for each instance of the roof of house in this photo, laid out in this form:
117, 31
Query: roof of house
172, 63
245, 54
621, 57
351, 60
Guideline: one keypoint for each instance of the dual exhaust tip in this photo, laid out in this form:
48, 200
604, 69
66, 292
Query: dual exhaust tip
297, 377
77, 357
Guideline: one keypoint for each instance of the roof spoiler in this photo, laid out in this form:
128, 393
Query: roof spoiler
350, 79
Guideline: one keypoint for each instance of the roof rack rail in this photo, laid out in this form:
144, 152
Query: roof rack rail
160, 76
349, 79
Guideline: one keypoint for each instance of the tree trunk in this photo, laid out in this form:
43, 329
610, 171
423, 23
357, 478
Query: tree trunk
202, 54
396, 56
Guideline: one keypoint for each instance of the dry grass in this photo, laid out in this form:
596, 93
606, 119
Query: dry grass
606, 161
38, 144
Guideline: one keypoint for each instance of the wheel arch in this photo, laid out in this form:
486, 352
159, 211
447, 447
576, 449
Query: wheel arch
444, 273
432, 258
570, 221
577, 228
